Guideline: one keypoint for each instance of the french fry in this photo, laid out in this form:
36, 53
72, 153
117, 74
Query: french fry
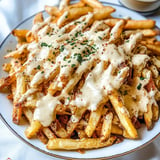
33, 129
63, 4
148, 117
145, 32
154, 48
6, 67
81, 133
123, 114
49, 134
38, 18
133, 24
59, 130
93, 3
102, 13
116, 130
116, 31
74, 13
107, 126
4, 82
93, 121
21, 33
140, 24
72, 144
76, 5
71, 125
30, 37
42, 137
20, 89
51, 10
155, 112
28, 114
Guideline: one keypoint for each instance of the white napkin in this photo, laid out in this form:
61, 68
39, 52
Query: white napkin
12, 12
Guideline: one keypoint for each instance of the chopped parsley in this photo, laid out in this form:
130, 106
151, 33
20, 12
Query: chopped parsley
64, 58
53, 52
100, 37
127, 41
43, 44
42, 72
73, 65
142, 78
79, 58
139, 86
38, 67
72, 43
61, 48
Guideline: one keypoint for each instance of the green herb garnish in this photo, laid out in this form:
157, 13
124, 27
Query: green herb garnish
38, 67
73, 65
139, 86
142, 78
61, 48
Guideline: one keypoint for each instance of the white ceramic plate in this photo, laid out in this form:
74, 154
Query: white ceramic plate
116, 150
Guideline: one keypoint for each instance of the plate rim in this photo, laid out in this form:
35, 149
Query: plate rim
53, 154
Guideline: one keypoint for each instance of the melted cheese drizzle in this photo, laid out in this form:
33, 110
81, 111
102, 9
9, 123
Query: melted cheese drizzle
70, 55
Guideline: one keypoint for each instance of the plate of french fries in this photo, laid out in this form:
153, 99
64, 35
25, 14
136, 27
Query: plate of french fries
82, 77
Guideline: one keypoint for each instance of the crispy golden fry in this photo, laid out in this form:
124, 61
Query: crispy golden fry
20, 89
42, 137
115, 34
6, 67
30, 37
93, 3
148, 117
76, 5
14, 54
21, 33
71, 125
133, 24
33, 129
59, 130
28, 114
4, 82
74, 13
140, 24
116, 130
48, 133
74, 144
81, 133
122, 114
93, 121
51, 10
38, 18
145, 32
16, 114
154, 48
63, 4
107, 126
102, 13
155, 111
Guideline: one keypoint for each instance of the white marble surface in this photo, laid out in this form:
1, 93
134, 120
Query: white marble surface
13, 12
